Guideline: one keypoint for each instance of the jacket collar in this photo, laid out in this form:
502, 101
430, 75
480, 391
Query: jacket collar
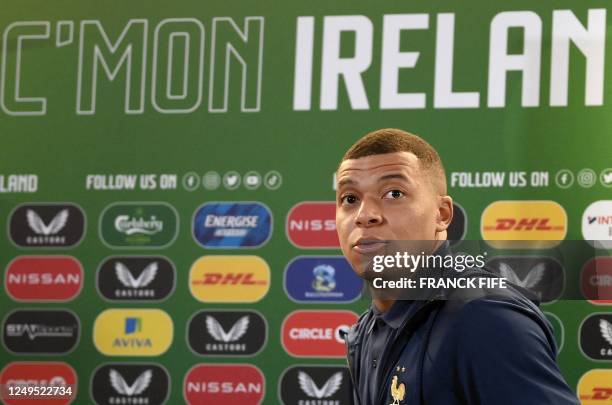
402, 310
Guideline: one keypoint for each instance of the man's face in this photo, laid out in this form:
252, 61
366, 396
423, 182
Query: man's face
386, 197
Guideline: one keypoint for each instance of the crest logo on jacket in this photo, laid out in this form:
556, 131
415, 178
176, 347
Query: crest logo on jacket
398, 389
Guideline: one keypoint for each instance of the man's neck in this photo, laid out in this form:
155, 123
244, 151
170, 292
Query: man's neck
383, 305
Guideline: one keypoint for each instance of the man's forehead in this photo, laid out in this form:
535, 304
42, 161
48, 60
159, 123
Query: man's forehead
379, 163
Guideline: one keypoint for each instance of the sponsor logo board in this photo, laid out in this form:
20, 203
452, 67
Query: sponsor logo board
312, 225
47, 225
306, 384
316, 333
133, 332
223, 225
139, 225
311, 279
43, 278
231, 384
541, 224
136, 278
130, 383
227, 333
227, 279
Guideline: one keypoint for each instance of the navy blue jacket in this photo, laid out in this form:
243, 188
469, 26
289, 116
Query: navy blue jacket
465, 346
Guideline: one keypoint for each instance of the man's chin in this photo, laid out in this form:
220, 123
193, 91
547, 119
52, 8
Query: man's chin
364, 270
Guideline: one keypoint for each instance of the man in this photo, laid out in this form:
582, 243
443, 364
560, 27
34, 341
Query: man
457, 347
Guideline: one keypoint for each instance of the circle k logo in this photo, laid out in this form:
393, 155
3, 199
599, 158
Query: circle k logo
44, 278
596, 280
228, 384
312, 225
38, 374
316, 333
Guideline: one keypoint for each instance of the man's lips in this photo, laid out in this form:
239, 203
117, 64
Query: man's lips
365, 246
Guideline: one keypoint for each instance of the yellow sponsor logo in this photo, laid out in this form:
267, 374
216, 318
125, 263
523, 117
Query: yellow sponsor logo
541, 224
133, 332
595, 387
229, 279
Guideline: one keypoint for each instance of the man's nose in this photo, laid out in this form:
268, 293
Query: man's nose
369, 213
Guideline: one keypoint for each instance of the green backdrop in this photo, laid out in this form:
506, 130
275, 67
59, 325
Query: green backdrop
240, 110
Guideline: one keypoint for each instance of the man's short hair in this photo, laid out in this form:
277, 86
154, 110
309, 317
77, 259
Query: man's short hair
391, 140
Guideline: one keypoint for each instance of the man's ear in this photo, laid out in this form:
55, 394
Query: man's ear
445, 212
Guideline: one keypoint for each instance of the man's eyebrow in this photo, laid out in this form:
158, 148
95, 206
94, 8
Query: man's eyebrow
392, 176
345, 182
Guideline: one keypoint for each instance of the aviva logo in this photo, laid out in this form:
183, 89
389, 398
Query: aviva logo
133, 325
523, 224
229, 278
133, 332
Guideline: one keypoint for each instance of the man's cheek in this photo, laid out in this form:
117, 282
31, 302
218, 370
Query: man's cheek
344, 245
343, 235
341, 229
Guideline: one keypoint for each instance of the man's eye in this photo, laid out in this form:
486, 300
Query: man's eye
394, 194
348, 199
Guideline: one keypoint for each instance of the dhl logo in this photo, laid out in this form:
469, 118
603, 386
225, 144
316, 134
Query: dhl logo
541, 224
526, 224
229, 278
594, 387
598, 393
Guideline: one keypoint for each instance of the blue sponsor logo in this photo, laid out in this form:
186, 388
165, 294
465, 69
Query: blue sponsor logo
232, 225
132, 325
321, 279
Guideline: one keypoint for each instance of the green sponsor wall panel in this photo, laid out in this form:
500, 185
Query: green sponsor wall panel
62, 145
